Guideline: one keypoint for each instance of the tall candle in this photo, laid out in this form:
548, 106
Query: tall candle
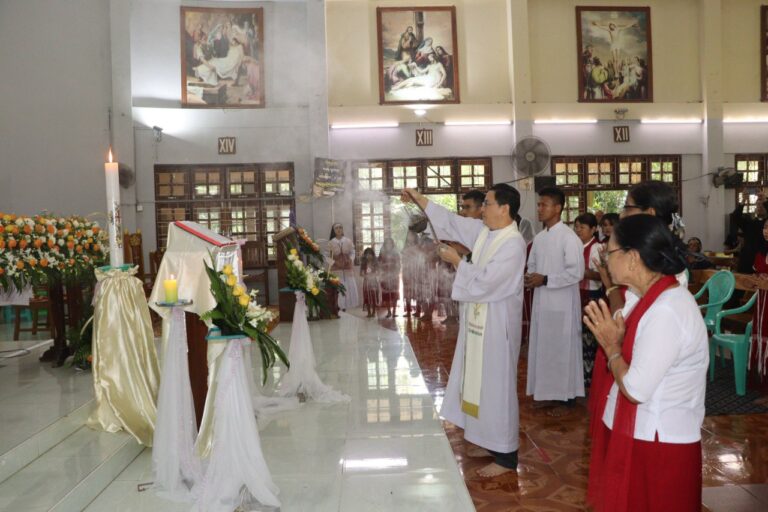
114, 218
171, 290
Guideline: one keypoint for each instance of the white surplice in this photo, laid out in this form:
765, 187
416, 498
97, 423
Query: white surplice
500, 285
336, 247
555, 364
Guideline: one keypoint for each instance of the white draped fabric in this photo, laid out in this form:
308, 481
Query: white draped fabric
302, 377
175, 466
12, 297
237, 474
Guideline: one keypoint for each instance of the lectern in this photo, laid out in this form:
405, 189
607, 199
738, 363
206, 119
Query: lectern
189, 246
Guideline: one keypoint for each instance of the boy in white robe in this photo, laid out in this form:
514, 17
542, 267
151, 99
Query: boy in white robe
483, 401
555, 268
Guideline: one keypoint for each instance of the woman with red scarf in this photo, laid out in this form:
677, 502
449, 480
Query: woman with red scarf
647, 399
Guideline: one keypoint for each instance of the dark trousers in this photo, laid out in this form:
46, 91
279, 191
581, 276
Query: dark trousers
505, 460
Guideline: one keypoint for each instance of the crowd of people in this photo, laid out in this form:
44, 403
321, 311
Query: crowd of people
610, 316
628, 290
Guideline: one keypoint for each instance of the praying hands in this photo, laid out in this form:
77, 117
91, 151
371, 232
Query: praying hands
608, 331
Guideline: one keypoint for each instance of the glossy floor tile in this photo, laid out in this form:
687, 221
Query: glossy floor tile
554, 452
384, 450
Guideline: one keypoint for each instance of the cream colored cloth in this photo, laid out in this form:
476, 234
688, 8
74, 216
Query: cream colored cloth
475, 316
126, 374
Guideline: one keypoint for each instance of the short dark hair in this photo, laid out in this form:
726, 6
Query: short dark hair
657, 195
658, 248
612, 218
554, 193
478, 196
587, 218
507, 194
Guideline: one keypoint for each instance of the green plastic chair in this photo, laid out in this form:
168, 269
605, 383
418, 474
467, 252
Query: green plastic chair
720, 287
738, 344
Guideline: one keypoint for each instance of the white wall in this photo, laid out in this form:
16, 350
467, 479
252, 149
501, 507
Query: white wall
56, 93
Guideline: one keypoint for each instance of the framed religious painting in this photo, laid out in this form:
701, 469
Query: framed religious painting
764, 53
222, 57
614, 54
418, 55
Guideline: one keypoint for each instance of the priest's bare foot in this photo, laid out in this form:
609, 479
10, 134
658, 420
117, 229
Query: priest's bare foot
476, 451
492, 470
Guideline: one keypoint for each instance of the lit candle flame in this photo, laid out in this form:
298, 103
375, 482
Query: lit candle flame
110, 155
173, 277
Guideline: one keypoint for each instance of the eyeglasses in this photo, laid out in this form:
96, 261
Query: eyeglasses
608, 253
630, 206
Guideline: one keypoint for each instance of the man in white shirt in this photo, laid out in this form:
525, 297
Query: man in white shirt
555, 268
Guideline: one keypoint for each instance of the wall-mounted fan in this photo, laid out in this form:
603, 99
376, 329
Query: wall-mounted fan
530, 157
726, 176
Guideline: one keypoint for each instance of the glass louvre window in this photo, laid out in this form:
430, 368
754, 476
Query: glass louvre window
242, 183
663, 171
405, 176
244, 221
439, 176
370, 178
572, 208
750, 168
372, 225
630, 172
207, 184
278, 182
208, 216
171, 185
276, 218
567, 173
599, 173
473, 175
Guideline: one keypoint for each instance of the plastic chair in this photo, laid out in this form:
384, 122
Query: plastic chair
720, 288
738, 344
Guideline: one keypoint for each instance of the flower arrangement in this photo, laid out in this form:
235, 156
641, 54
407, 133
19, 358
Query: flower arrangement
304, 278
310, 248
238, 312
332, 281
34, 249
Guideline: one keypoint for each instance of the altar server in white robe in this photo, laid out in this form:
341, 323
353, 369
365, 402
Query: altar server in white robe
481, 396
555, 268
342, 252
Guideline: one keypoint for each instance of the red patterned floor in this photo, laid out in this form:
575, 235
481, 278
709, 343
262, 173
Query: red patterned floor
552, 473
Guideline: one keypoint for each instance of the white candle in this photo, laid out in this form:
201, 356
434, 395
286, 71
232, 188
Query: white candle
114, 218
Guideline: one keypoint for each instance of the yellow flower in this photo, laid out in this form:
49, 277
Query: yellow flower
231, 280
237, 291
227, 270
294, 252
244, 300
315, 291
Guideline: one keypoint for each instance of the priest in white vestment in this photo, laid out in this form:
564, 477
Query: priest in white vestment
555, 268
481, 396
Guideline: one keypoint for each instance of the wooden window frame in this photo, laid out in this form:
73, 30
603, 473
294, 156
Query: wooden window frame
227, 203
583, 187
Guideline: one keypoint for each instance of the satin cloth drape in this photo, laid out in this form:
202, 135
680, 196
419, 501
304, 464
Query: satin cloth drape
126, 375
175, 466
302, 377
236, 474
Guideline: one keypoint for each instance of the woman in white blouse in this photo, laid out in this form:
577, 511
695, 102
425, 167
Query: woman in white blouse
647, 405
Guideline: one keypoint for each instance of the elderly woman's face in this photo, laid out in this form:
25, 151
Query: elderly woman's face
618, 261
765, 230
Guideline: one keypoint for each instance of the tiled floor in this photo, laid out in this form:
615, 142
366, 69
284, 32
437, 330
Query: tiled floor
554, 452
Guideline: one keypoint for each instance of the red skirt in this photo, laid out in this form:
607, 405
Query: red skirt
665, 477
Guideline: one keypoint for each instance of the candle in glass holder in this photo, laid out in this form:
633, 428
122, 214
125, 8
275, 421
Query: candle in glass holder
171, 290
